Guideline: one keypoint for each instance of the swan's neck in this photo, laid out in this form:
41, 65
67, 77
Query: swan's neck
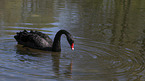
56, 43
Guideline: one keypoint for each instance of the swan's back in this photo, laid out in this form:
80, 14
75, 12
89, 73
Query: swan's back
33, 39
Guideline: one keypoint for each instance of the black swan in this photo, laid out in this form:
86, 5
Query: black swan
39, 40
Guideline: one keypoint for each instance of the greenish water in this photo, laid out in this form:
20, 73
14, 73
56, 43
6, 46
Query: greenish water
109, 40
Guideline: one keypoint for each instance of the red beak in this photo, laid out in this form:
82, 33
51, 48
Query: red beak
72, 46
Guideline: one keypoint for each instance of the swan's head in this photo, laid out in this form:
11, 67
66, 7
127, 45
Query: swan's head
72, 46
71, 42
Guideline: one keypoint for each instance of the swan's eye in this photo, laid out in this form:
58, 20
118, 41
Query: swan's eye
72, 46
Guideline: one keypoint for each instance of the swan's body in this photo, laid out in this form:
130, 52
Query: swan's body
38, 40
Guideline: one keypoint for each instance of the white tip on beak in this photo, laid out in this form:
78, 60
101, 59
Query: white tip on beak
72, 48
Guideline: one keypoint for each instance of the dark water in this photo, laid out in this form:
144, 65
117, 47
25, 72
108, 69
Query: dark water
109, 40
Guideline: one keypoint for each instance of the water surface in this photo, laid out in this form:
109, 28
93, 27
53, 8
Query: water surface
109, 40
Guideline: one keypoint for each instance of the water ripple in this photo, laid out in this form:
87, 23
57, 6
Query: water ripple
111, 59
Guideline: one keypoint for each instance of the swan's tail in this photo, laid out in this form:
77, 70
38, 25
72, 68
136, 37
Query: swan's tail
21, 36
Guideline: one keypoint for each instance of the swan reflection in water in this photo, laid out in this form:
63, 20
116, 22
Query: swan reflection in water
25, 54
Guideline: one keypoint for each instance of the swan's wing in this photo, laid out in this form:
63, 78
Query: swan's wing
31, 40
44, 36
